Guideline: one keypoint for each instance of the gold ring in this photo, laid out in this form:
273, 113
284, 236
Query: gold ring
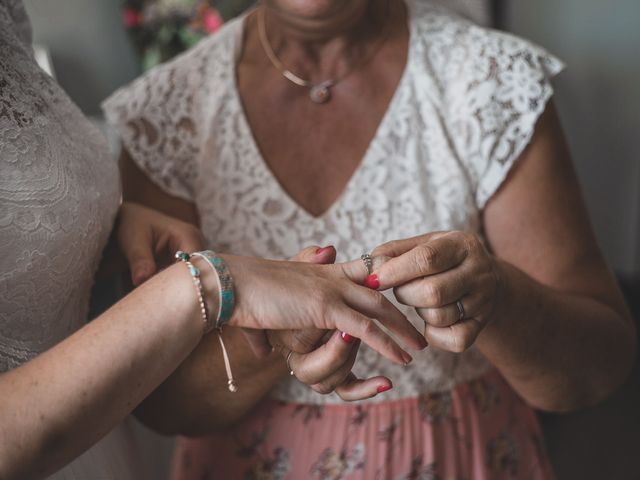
289, 364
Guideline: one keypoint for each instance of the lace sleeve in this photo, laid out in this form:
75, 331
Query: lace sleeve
158, 120
501, 89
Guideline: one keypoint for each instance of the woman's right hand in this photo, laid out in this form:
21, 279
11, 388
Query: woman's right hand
272, 295
323, 361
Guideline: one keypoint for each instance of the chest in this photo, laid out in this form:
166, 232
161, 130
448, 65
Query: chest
313, 150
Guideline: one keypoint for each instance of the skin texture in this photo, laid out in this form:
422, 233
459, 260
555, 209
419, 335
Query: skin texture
541, 303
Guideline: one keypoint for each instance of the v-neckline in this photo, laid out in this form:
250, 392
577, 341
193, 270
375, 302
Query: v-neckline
255, 149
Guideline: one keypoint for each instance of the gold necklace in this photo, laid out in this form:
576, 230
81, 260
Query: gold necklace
318, 92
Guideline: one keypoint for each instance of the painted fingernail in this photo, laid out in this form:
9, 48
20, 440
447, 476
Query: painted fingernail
322, 250
347, 338
384, 388
372, 282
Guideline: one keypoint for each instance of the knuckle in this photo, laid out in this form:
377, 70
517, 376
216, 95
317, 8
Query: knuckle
323, 388
438, 317
433, 293
370, 328
426, 256
377, 299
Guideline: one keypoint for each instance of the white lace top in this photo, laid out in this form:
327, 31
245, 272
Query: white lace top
464, 110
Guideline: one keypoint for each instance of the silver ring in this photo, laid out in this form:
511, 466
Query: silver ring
368, 262
461, 313
289, 364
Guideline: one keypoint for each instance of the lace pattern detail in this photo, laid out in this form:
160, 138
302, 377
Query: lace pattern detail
58, 197
465, 108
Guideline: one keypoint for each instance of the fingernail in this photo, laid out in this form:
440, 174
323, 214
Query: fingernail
322, 250
372, 282
384, 388
407, 359
347, 338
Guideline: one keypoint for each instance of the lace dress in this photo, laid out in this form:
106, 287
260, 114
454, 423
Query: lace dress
464, 110
59, 193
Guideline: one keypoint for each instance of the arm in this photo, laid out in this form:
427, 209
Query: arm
544, 308
192, 394
59, 404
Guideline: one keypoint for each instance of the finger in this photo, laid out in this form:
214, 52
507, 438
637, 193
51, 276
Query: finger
185, 237
457, 338
314, 367
304, 340
354, 389
436, 290
437, 255
450, 314
137, 246
258, 341
337, 377
317, 255
356, 270
359, 326
395, 248
374, 304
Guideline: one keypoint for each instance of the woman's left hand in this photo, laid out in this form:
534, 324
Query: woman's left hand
148, 239
450, 279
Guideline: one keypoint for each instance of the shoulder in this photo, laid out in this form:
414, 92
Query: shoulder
185, 82
459, 53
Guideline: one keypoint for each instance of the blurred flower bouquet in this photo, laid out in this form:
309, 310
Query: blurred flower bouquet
163, 28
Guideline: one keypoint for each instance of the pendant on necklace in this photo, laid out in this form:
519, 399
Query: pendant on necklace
320, 93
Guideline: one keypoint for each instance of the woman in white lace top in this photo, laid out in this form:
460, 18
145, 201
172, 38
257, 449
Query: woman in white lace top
353, 124
65, 384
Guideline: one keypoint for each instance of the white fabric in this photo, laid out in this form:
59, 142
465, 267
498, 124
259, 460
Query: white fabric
59, 194
465, 108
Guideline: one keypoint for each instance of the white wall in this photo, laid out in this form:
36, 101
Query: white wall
599, 101
91, 53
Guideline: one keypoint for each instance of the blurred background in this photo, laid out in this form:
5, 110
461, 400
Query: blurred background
95, 46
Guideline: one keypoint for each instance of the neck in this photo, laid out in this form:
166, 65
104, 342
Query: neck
318, 29
323, 45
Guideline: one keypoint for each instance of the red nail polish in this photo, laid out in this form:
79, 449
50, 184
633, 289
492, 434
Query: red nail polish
384, 388
372, 282
347, 338
322, 250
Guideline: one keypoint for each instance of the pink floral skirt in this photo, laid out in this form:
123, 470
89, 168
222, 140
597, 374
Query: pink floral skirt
479, 430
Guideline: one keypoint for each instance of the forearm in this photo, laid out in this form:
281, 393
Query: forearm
84, 386
559, 351
195, 401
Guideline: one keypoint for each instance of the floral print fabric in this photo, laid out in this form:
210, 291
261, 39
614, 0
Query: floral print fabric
479, 430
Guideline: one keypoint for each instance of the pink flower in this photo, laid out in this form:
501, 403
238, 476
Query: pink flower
211, 20
130, 17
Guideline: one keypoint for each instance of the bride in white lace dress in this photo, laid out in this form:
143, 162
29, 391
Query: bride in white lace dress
309, 122
65, 384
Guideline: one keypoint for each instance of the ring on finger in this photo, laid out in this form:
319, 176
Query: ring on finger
367, 259
289, 363
461, 312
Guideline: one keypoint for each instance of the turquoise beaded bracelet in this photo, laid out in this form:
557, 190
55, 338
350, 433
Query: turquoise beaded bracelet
225, 282
227, 301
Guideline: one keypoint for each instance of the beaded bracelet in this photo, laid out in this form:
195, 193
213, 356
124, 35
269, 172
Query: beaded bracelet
195, 276
225, 284
227, 302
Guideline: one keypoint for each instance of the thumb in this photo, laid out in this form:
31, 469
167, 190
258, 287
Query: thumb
395, 248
